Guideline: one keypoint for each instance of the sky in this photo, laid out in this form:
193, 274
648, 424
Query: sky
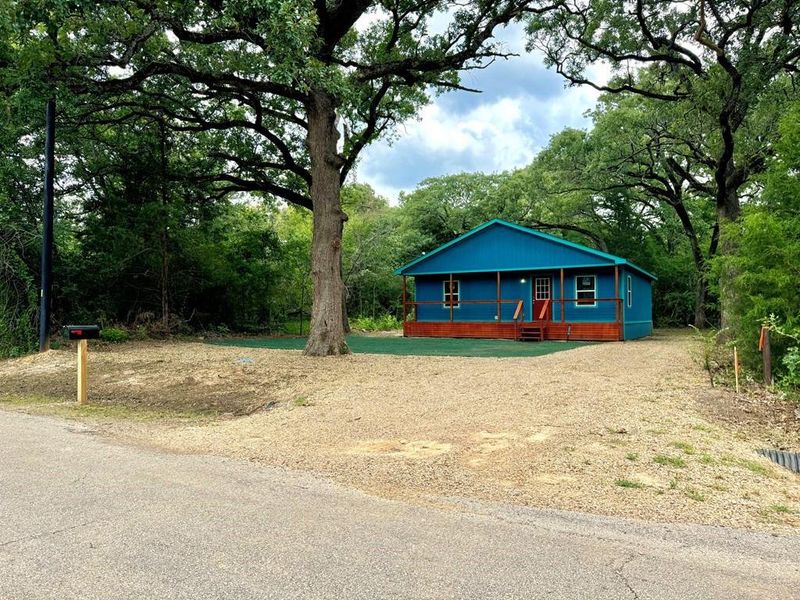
521, 106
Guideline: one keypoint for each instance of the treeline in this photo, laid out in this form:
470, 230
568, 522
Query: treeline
141, 242
169, 216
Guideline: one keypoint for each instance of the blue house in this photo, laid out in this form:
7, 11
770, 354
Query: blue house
502, 280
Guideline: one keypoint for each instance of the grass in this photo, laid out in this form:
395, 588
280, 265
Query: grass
695, 495
745, 463
632, 456
301, 402
773, 512
296, 326
671, 461
686, 448
627, 483
707, 459
703, 428
39, 404
415, 346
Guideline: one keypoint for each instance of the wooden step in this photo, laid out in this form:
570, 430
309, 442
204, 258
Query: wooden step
530, 334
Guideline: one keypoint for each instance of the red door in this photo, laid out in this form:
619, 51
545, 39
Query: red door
542, 304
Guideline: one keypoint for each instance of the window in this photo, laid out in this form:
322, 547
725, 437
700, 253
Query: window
629, 292
455, 293
542, 288
586, 290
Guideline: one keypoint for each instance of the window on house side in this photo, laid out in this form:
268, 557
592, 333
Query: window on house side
586, 290
455, 293
630, 292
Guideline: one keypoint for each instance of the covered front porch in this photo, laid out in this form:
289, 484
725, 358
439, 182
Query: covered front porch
518, 305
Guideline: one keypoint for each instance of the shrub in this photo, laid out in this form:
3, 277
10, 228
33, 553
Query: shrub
18, 306
114, 335
791, 360
713, 355
17, 334
381, 323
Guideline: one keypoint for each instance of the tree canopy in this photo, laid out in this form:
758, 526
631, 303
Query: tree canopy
208, 152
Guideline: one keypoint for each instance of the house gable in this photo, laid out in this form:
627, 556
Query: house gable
502, 246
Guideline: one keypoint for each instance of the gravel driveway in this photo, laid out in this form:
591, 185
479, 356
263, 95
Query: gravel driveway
629, 429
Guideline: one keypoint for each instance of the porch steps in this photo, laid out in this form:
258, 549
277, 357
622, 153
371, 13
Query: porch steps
530, 333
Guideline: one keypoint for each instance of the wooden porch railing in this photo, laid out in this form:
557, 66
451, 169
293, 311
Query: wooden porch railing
560, 304
413, 304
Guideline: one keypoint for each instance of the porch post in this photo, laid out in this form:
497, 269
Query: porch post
563, 312
451, 297
405, 308
617, 303
499, 306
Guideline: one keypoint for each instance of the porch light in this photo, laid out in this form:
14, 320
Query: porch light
523, 280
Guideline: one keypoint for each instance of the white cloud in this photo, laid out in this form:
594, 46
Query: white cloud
487, 128
494, 136
522, 106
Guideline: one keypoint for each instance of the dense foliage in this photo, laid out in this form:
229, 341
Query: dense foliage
768, 237
184, 190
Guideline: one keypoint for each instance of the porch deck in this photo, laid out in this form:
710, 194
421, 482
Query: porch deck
552, 330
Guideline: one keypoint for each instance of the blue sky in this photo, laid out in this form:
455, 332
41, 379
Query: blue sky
521, 106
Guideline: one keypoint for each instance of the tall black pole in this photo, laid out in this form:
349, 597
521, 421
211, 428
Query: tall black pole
47, 228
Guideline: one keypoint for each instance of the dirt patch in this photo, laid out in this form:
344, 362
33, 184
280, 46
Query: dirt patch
174, 376
402, 448
755, 408
628, 429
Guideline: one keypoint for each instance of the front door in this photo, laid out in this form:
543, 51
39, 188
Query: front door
542, 305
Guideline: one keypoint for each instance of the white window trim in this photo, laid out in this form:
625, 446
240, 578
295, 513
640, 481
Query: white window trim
445, 303
629, 291
579, 304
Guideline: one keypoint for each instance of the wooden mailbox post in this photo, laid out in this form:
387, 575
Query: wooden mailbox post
82, 333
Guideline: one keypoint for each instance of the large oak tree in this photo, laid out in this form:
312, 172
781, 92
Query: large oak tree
286, 94
715, 57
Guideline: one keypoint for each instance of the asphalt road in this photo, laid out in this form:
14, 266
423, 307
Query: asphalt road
83, 517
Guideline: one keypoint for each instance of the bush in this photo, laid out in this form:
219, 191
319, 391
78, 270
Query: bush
382, 323
791, 360
114, 335
711, 353
790, 376
17, 332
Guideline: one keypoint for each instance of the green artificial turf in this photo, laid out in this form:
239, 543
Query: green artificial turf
414, 346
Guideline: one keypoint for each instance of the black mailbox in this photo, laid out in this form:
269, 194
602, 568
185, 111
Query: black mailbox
82, 332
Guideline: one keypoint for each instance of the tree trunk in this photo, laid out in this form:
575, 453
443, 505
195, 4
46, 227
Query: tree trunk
345, 320
165, 279
728, 179
327, 333
700, 295
701, 288
728, 211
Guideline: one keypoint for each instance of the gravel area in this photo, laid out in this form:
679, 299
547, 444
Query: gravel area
629, 429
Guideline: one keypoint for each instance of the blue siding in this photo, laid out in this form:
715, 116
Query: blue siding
501, 248
513, 288
480, 286
483, 286
473, 287
602, 311
638, 317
